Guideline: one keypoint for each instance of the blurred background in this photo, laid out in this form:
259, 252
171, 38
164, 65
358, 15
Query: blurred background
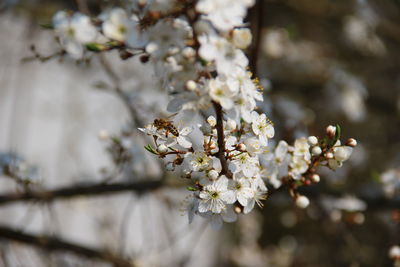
61, 124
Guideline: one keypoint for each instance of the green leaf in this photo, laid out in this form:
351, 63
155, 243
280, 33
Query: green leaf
337, 135
95, 47
47, 26
203, 62
190, 188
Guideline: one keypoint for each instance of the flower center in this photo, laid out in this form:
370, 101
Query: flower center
219, 92
214, 195
122, 29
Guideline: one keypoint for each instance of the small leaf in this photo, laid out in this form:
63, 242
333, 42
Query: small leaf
337, 135
95, 47
190, 188
47, 26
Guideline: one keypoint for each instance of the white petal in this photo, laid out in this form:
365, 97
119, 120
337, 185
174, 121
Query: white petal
184, 142
270, 131
186, 131
203, 206
228, 196
249, 206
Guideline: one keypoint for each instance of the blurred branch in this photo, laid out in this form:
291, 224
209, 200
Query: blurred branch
56, 244
256, 15
83, 6
81, 190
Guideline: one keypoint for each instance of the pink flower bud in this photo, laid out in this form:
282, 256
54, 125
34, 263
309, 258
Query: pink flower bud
351, 142
331, 131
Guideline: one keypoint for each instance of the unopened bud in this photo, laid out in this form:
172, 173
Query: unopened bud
103, 135
331, 131
191, 85
238, 209
315, 178
302, 202
329, 155
151, 48
394, 252
315, 151
351, 142
213, 145
188, 52
241, 147
162, 148
142, 3
312, 140
213, 174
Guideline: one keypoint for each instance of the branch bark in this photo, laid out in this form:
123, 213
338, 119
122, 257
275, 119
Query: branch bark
257, 18
80, 190
49, 243
221, 141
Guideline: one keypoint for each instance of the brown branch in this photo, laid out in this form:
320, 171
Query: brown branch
221, 141
49, 243
81, 190
256, 14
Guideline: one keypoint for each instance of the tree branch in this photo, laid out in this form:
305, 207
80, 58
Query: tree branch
256, 14
56, 244
80, 190
221, 141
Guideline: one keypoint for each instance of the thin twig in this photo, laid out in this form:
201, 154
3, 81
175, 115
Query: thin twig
56, 244
81, 190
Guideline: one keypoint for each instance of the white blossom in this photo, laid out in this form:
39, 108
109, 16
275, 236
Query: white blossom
74, 32
215, 196
223, 91
198, 161
262, 127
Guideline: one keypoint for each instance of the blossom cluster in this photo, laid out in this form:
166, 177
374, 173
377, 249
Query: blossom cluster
197, 49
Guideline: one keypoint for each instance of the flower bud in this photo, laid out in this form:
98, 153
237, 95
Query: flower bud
151, 48
329, 155
312, 140
212, 121
103, 135
241, 147
302, 202
213, 145
142, 3
238, 209
191, 85
162, 148
188, 52
315, 151
351, 142
213, 174
394, 252
331, 131
315, 178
